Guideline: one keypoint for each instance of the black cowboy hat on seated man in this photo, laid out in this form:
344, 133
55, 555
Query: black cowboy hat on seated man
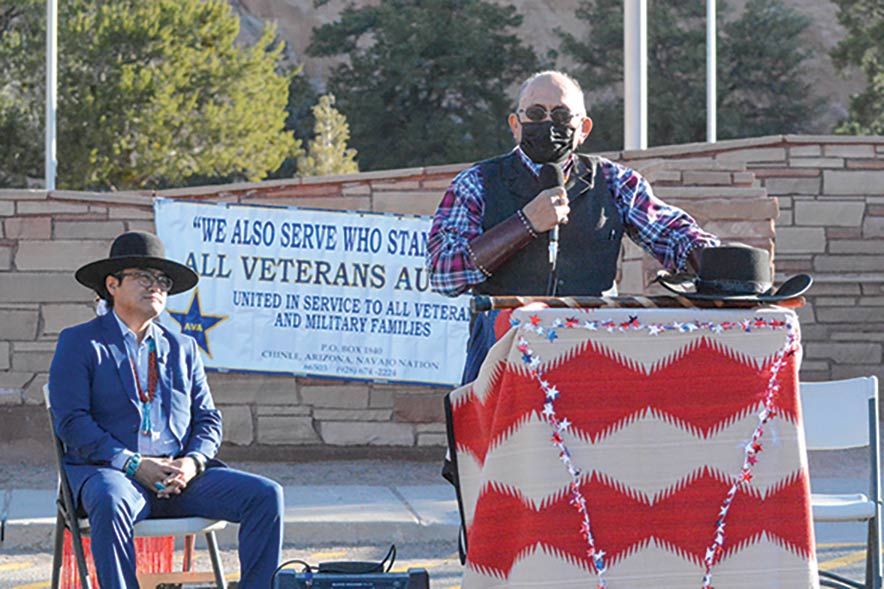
734, 272
137, 249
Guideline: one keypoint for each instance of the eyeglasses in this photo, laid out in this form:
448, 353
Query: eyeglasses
147, 280
560, 115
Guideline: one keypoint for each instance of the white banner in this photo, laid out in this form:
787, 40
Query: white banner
312, 292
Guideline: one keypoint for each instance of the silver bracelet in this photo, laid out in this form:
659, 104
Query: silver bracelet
531, 231
476, 261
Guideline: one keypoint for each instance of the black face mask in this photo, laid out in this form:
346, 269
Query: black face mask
546, 143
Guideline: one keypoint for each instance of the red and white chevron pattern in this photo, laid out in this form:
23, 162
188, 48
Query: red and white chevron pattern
659, 422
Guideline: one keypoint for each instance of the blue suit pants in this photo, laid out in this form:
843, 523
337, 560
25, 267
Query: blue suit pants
115, 502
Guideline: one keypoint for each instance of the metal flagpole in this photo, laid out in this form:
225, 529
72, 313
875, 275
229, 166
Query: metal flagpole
635, 74
51, 90
711, 81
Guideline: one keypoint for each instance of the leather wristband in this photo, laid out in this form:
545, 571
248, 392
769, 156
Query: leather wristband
495, 246
199, 460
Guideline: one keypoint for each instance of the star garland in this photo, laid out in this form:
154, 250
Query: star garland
550, 394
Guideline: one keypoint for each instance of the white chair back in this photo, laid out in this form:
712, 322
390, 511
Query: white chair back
836, 413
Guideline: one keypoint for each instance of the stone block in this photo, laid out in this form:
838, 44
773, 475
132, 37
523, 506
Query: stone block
856, 246
738, 209
415, 202
764, 154
14, 381
7, 209
816, 162
848, 263
424, 407
354, 433
264, 389
845, 353
872, 302
280, 410
352, 414
148, 226
784, 218
436, 428
833, 301
432, 440
57, 317
668, 192
785, 185
438, 185
5, 353
873, 227
335, 396
10, 397
88, 229
380, 398
335, 203
31, 356
298, 430
28, 228
853, 182
399, 185
5, 258
744, 179
740, 230
842, 150
33, 393
842, 371
828, 213
141, 214
632, 278
707, 178
804, 150
22, 194
49, 207
18, 324
800, 240
843, 233
55, 287
239, 428
865, 164
58, 254
849, 315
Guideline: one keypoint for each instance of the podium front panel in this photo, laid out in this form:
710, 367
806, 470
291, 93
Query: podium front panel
653, 448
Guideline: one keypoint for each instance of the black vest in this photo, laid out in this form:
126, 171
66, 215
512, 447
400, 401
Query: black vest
589, 245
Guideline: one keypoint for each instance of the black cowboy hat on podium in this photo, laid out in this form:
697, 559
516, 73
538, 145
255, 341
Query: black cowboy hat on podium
734, 272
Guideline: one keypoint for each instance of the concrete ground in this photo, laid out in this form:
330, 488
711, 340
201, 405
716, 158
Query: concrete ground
353, 510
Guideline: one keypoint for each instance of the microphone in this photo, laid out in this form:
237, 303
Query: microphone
551, 176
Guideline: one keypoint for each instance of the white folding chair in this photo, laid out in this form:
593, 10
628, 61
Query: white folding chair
67, 517
839, 415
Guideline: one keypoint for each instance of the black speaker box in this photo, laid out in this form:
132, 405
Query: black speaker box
413, 579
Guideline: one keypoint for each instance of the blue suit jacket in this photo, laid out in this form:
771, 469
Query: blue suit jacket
95, 403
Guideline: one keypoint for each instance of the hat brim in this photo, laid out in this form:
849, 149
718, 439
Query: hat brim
685, 285
92, 275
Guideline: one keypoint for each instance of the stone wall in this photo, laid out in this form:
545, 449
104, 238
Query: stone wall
827, 191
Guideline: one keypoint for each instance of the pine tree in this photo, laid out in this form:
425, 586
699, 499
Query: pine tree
327, 152
426, 81
760, 86
151, 94
863, 47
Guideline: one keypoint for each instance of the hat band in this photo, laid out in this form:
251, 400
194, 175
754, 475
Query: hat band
733, 287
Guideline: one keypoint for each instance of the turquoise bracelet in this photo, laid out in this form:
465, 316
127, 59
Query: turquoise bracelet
132, 464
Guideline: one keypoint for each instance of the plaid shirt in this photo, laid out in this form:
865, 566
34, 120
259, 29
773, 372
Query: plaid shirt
664, 231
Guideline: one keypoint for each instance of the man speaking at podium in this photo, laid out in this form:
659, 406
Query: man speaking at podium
502, 222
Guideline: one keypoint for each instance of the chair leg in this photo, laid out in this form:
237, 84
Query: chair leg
212, 543
82, 568
873, 556
187, 564
58, 550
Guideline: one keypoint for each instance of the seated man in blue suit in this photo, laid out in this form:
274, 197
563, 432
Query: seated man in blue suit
131, 404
